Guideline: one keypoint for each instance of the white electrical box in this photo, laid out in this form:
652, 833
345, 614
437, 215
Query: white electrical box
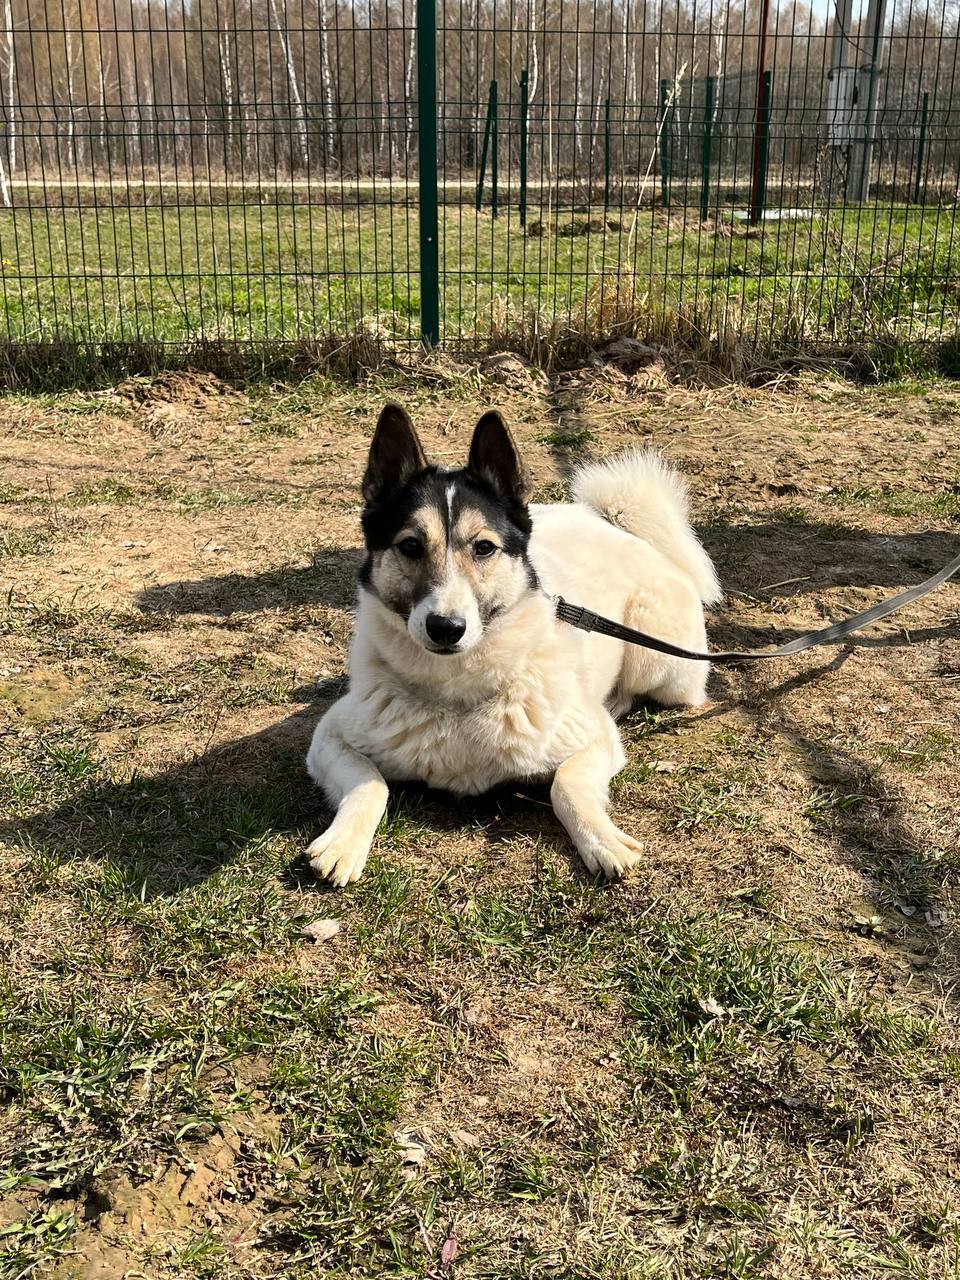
843, 111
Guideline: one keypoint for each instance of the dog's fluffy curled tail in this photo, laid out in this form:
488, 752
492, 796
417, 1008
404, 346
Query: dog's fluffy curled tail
640, 492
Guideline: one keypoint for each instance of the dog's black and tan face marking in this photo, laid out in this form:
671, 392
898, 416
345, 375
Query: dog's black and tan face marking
446, 550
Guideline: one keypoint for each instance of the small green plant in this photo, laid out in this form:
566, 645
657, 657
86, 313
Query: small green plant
34, 1241
568, 439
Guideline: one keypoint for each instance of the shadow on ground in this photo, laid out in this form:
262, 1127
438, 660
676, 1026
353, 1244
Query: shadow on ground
176, 828
795, 557
330, 579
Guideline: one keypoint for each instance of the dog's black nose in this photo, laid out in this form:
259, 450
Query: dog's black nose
445, 631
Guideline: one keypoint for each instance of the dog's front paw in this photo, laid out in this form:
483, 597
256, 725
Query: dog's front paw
338, 857
610, 850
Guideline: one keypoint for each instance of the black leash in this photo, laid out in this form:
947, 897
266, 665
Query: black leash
586, 620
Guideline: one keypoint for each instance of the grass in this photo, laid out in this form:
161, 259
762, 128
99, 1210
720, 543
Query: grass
892, 500
194, 275
117, 493
704, 1072
26, 542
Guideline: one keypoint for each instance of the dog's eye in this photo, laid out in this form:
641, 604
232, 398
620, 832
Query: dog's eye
484, 548
411, 548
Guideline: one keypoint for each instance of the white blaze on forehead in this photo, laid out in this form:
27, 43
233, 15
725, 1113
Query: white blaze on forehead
451, 490
452, 597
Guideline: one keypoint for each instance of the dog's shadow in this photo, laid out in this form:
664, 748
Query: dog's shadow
171, 830
175, 828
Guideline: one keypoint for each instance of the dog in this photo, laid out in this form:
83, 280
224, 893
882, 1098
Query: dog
462, 677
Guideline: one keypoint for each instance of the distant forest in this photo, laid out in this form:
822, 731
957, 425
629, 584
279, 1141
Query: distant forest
129, 90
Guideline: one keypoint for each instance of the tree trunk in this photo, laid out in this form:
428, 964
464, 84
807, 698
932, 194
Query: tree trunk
11, 87
408, 88
327, 80
294, 88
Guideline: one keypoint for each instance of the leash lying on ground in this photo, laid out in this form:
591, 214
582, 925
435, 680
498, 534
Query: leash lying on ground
577, 616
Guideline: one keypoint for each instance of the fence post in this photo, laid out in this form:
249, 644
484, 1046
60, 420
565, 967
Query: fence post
759, 194
486, 146
705, 154
921, 143
664, 148
427, 160
494, 149
524, 107
606, 154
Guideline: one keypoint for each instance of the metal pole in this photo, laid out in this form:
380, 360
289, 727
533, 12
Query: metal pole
921, 143
664, 148
494, 138
427, 160
705, 154
524, 108
755, 193
760, 195
606, 153
861, 155
483, 150
839, 102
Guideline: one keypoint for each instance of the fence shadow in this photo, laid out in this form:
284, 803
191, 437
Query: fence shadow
790, 558
330, 579
865, 818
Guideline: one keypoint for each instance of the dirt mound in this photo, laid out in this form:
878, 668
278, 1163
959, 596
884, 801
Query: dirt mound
514, 371
196, 390
178, 405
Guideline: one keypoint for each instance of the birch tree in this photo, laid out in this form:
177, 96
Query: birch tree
296, 101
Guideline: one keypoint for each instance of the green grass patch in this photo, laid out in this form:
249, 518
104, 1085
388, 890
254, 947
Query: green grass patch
262, 273
568, 439
26, 542
890, 500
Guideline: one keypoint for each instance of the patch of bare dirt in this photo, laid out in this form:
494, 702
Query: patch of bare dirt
38, 694
517, 1057
123, 1223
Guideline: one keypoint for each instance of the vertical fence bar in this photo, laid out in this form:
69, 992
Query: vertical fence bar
484, 150
524, 107
427, 160
494, 150
606, 154
758, 197
705, 154
921, 143
664, 148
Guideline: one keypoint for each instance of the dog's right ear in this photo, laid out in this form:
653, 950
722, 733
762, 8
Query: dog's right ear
395, 454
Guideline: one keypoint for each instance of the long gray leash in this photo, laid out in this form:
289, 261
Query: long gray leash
577, 616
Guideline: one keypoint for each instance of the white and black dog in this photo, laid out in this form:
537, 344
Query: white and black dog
462, 677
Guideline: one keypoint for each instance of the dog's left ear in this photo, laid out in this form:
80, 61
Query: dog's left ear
494, 458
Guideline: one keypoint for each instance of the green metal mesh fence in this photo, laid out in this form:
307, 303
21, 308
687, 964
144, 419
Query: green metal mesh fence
188, 171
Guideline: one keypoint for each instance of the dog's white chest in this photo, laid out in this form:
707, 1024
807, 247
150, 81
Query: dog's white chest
457, 747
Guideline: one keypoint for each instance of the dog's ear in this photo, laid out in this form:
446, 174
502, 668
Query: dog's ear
494, 457
396, 454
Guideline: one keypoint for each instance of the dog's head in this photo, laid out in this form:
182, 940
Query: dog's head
446, 550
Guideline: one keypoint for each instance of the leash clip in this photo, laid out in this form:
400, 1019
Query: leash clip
575, 614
